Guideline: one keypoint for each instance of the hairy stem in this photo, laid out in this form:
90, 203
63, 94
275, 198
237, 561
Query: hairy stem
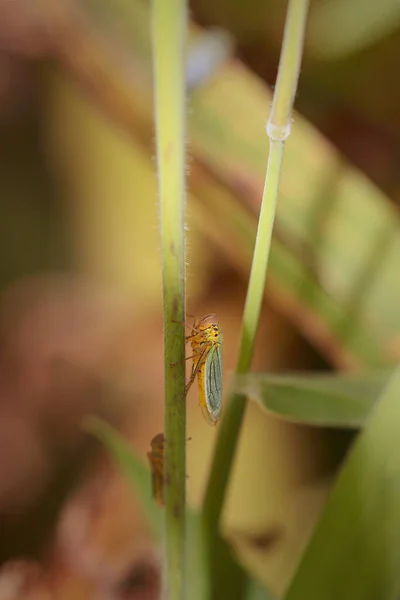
169, 20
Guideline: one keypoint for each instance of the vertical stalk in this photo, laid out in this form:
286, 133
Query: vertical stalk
278, 129
169, 18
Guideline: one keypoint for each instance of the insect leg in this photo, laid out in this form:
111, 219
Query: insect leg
182, 361
195, 368
181, 323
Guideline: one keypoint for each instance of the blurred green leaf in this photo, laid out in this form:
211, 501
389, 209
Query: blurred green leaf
132, 468
138, 476
321, 400
355, 551
379, 20
256, 591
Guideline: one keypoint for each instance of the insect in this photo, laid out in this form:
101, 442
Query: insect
206, 341
156, 460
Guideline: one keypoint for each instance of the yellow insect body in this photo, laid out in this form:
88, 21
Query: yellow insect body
156, 460
206, 341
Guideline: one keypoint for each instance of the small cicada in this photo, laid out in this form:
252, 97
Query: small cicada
206, 342
156, 460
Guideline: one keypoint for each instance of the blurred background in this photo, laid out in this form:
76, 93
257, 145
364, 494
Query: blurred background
81, 328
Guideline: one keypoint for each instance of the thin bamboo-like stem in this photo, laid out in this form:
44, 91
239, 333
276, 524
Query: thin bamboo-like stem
278, 129
169, 20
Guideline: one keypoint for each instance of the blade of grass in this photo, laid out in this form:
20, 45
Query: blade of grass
131, 467
355, 551
139, 478
319, 400
278, 130
256, 591
379, 20
169, 39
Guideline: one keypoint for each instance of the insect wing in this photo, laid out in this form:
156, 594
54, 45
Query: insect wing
158, 488
157, 478
156, 460
213, 383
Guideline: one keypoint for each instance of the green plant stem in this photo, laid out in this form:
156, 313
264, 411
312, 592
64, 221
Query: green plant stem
289, 70
169, 20
278, 129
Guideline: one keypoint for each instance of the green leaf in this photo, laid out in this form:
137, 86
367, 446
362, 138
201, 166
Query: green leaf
138, 476
320, 400
379, 20
355, 551
132, 468
256, 591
